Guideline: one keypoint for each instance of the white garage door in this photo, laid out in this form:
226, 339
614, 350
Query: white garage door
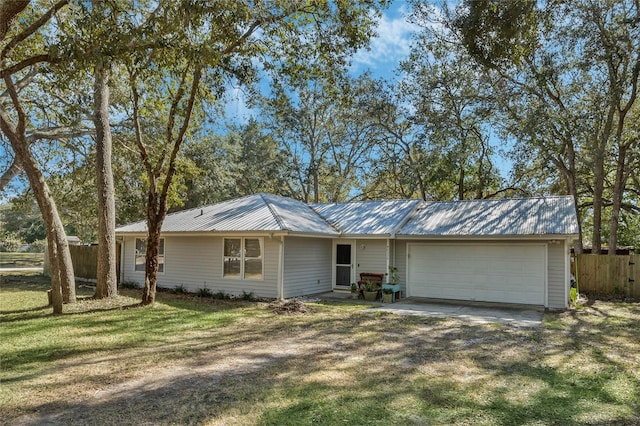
508, 273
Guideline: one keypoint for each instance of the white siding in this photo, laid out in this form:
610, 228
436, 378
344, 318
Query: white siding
307, 266
195, 262
557, 292
371, 256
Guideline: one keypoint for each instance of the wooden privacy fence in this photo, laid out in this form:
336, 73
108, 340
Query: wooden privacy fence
85, 261
606, 274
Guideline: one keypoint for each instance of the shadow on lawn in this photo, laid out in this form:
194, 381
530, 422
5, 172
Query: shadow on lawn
237, 360
24, 311
373, 369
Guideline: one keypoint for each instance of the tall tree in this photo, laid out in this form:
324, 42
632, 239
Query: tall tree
106, 283
213, 42
19, 62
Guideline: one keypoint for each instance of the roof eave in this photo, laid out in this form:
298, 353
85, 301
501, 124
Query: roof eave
487, 237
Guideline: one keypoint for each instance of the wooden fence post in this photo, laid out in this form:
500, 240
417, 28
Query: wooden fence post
633, 289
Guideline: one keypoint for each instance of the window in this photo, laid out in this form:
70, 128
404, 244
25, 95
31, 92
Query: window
242, 258
141, 250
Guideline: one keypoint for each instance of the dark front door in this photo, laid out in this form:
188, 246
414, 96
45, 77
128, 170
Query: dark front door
343, 265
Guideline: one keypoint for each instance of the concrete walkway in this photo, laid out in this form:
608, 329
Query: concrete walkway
24, 269
519, 316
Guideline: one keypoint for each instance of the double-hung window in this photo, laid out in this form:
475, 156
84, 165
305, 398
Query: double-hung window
141, 251
242, 258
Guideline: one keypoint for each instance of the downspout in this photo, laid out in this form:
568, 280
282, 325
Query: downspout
567, 272
122, 241
388, 258
280, 283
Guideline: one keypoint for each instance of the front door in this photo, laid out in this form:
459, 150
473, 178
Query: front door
344, 264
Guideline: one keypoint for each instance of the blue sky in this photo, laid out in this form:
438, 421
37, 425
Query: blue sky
391, 44
381, 59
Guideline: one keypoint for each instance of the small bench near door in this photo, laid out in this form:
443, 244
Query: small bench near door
376, 279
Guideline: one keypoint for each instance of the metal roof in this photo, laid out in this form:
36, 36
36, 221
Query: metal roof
257, 212
367, 217
503, 217
408, 218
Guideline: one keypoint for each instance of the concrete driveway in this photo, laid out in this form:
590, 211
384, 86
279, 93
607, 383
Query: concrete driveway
481, 314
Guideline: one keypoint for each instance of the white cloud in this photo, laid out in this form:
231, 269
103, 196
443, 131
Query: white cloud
391, 44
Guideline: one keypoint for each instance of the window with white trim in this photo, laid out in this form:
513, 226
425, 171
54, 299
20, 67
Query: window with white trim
242, 258
141, 251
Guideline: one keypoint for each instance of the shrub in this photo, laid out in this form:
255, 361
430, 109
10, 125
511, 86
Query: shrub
38, 246
221, 295
129, 284
11, 243
204, 292
247, 296
180, 289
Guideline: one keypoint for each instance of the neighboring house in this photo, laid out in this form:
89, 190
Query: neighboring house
510, 251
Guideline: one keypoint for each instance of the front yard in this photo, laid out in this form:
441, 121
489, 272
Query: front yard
193, 361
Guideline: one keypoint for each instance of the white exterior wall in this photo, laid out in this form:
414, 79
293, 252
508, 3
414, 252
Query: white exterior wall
307, 266
196, 262
371, 256
558, 282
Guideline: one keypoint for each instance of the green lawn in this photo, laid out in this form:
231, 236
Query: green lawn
20, 260
192, 361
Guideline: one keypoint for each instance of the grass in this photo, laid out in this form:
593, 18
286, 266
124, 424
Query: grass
20, 260
192, 360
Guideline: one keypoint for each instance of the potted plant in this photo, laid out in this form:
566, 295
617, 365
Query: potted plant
354, 291
370, 291
387, 295
392, 275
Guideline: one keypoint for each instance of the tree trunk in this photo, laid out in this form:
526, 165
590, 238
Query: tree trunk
598, 191
151, 255
8, 11
59, 257
13, 171
618, 190
106, 283
572, 186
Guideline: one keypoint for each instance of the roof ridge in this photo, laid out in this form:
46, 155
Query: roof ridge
275, 215
407, 217
383, 200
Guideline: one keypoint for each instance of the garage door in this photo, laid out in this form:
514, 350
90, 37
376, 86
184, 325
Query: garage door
507, 273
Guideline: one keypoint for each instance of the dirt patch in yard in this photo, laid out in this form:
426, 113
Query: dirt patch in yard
290, 307
249, 365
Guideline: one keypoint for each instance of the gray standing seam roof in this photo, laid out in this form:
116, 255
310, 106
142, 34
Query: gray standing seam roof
367, 217
257, 212
410, 218
501, 217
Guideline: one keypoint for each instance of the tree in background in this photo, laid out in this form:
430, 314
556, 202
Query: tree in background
320, 127
453, 110
568, 73
244, 161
